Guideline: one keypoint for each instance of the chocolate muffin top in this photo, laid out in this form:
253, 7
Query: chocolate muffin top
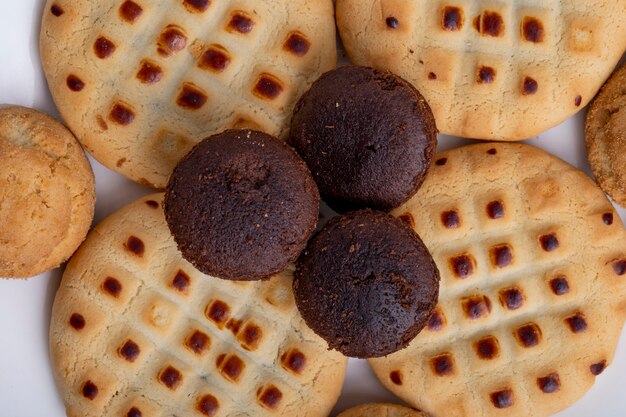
366, 284
367, 136
241, 205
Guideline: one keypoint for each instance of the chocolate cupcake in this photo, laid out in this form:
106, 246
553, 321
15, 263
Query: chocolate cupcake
241, 205
367, 136
366, 284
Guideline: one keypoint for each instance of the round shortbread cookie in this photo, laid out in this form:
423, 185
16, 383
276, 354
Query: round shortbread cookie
141, 81
533, 285
381, 410
47, 193
491, 70
136, 330
605, 132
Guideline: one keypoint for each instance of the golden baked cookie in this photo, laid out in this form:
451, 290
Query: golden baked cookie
505, 70
605, 133
137, 331
141, 81
533, 285
47, 193
381, 410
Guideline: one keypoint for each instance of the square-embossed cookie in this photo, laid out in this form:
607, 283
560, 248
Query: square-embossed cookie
533, 283
139, 82
491, 69
137, 331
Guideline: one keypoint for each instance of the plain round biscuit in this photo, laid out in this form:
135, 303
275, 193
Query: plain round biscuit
529, 67
532, 258
381, 410
139, 82
47, 195
136, 326
605, 132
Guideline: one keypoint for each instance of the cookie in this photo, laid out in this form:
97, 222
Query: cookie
533, 266
241, 205
366, 284
139, 82
137, 331
381, 410
47, 193
491, 70
605, 133
368, 137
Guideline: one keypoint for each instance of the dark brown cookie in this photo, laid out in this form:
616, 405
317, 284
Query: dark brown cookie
367, 136
366, 284
241, 205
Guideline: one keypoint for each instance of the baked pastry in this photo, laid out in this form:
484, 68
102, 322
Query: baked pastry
137, 331
140, 82
381, 410
241, 205
368, 137
505, 70
366, 284
533, 259
605, 132
47, 194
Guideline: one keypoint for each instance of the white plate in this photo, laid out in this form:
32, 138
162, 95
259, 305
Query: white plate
27, 388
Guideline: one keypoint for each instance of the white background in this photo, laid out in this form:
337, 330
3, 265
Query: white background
26, 385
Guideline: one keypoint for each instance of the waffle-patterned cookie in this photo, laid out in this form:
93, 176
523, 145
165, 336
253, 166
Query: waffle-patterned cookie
381, 410
533, 285
141, 81
137, 331
490, 69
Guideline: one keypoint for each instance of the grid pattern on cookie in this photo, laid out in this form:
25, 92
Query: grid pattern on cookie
476, 59
164, 74
169, 339
521, 293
